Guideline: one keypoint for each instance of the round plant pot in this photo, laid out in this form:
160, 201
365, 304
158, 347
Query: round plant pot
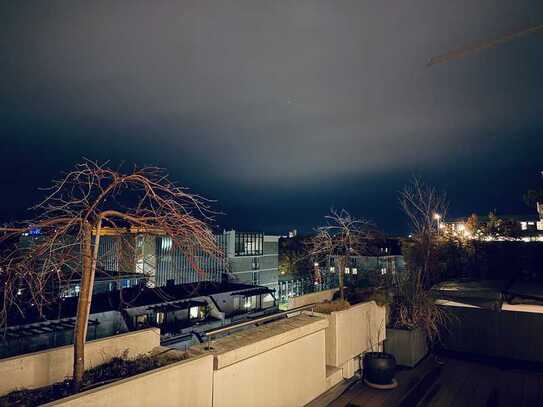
379, 369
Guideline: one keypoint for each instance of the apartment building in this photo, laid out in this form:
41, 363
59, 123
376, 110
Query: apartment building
253, 258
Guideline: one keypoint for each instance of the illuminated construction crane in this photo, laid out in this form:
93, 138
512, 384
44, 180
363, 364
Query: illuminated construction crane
473, 48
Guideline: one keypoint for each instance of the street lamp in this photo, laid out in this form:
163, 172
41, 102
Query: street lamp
437, 217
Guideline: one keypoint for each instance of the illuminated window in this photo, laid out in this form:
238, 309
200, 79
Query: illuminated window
250, 302
141, 321
354, 270
249, 244
267, 298
194, 312
347, 270
332, 269
159, 318
166, 243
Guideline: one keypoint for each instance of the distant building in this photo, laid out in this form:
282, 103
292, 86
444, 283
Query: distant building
182, 312
511, 227
253, 258
153, 261
292, 233
385, 258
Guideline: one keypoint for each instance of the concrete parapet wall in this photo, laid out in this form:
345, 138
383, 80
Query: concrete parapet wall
42, 368
187, 383
354, 331
312, 298
287, 369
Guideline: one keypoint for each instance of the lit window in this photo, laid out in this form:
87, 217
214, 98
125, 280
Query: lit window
383, 270
316, 264
247, 302
194, 312
347, 270
76, 289
141, 321
166, 243
267, 298
332, 269
159, 318
354, 270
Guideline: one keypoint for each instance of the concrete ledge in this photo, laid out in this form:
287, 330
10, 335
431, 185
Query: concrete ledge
311, 298
254, 341
46, 367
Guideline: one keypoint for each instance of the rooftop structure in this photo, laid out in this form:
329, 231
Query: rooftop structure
182, 312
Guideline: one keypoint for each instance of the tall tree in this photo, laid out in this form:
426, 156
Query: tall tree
343, 237
412, 305
426, 209
70, 221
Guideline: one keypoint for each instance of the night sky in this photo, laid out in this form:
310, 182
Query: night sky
277, 109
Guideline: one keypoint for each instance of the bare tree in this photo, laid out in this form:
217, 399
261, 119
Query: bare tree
343, 237
412, 305
70, 220
426, 209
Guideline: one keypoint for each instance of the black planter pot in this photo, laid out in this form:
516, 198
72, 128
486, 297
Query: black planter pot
379, 368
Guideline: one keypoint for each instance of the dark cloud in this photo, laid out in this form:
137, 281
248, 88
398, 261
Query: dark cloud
278, 109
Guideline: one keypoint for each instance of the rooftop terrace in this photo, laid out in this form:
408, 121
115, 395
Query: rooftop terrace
461, 381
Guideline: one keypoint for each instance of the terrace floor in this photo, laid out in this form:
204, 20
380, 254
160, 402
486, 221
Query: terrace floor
459, 382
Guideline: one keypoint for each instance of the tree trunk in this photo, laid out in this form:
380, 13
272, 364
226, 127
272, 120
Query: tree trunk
341, 276
88, 270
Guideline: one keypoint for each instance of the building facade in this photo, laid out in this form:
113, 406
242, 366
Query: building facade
253, 258
132, 259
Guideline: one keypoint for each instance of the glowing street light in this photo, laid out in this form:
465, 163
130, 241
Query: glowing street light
437, 217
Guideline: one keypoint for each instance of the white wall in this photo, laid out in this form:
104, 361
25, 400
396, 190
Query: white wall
183, 384
53, 365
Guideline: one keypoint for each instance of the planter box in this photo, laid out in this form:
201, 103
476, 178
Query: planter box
49, 366
409, 347
354, 331
185, 383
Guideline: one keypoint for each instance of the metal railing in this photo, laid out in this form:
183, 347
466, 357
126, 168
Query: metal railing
256, 321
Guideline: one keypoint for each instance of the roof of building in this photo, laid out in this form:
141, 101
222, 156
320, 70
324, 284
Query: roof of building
138, 296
